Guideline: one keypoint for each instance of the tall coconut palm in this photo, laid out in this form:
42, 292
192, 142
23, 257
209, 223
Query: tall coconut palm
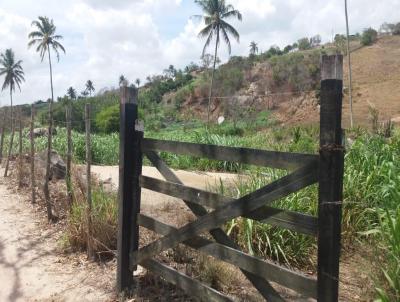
215, 14
13, 77
253, 48
71, 92
90, 87
122, 80
44, 37
137, 82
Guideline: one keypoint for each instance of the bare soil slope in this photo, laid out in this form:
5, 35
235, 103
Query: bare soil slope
376, 80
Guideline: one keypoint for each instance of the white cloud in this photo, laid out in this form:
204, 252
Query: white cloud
106, 38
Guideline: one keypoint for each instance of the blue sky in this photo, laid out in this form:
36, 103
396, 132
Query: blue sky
137, 38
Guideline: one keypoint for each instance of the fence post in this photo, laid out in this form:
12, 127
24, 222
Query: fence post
46, 190
330, 178
10, 146
130, 168
69, 155
88, 183
32, 138
2, 139
20, 160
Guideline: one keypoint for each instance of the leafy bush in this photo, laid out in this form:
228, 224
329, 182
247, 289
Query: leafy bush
369, 36
107, 120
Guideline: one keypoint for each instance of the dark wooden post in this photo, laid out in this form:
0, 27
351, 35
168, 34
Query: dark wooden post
330, 178
2, 139
88, 184
10, 147
68, 179
130, 168
20, 159
32, 138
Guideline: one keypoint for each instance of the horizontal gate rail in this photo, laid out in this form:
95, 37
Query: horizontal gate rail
214, 210
194, 287
301, 283
262, 285
291, 183
294, 221
273, 159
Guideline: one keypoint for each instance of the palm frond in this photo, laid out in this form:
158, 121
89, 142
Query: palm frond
226, 39
232, 13
230, 29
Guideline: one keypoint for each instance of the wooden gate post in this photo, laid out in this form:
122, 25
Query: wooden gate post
90, 251
130, 168
68, 113
330, 178
32, 139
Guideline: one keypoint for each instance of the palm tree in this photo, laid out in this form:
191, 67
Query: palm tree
253, 48
14, 76
90, 87
215, 13
71, 92
44, 37
122, 80
137, 82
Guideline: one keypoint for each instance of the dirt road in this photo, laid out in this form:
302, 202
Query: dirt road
32, 266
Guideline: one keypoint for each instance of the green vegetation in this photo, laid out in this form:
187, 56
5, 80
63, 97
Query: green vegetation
369, 36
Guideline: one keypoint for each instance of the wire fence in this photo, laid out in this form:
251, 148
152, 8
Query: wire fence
21, 144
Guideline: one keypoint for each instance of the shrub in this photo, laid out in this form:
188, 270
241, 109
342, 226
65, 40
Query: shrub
107, 120
369, 36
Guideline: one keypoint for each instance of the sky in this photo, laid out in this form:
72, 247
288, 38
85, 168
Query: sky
106, 38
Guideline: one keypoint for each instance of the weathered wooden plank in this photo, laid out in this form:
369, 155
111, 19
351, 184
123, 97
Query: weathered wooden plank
127, 208
273, 159
301, 283
189, 285
263, 286
330, 179
291, 183
287, 219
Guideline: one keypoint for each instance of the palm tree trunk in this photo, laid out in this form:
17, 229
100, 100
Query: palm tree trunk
12, 136
349, 62
3, 124
212, 78
46, 191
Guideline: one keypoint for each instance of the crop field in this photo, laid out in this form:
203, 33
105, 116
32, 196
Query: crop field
371, 212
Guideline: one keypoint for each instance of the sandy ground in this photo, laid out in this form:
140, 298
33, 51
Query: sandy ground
32, 266
151, 199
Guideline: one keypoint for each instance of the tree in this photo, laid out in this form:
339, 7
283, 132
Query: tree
170, 72
396, 29
137, 81
315, 41
304, 44
369, 36
123, 81
89, 87
13, 76
387, 28
45, 38
288, 48
253, 48
215, 14
71, 92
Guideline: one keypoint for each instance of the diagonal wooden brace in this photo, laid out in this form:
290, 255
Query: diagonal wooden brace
293, 182
262, 285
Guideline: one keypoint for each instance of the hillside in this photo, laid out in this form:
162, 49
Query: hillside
376, 80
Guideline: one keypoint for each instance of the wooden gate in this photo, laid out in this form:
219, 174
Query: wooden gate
326, 168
